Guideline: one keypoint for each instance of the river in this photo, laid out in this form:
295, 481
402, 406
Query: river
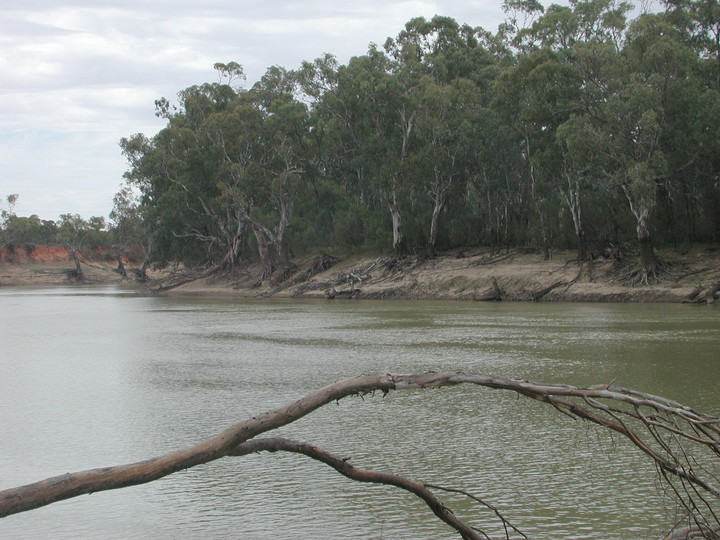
102, 376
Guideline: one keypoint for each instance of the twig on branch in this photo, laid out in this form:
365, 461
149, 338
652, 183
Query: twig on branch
506, 523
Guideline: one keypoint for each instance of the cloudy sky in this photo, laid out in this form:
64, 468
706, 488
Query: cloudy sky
77, 75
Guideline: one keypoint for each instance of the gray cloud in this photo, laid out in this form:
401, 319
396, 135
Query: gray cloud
79, 75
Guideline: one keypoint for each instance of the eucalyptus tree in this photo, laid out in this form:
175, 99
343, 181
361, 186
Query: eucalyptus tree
534, 97
282, 158
16, 229
131, 228
650, 105
73, 230
365, 109
7, 213
561, 27
699, 22
443, 144
451, 72
175, 171
628, 136
561, 49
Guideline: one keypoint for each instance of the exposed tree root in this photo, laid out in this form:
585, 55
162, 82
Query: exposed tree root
637, 276
284, 274
494, 260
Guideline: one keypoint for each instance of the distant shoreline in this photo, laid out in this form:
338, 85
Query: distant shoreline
461, 275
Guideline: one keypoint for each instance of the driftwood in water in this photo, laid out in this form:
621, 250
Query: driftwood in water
702, 295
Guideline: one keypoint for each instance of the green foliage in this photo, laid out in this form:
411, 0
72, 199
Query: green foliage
567, 127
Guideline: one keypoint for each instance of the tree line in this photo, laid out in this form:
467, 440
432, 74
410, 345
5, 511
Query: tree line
120, 238
22, 230
571, 127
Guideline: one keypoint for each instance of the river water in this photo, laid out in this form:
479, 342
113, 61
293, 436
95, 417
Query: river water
103, 376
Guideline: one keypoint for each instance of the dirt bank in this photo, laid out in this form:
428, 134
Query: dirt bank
460, 275
47, 266
479, 275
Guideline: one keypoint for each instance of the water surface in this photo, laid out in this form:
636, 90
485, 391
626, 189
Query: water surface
101, 376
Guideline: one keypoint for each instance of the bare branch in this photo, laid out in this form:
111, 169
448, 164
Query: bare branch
506, 523
66, 486
361, 475
683, 443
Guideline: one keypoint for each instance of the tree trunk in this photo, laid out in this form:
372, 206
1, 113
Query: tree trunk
581, 245
397, 226
76, 258
235, 252
434, 220
571, 195
121, 267
648, 260
280, 253
264, 252
279, 244
536, 203
642, 209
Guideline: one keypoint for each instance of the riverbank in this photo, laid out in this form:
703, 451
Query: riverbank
459, 275
52, 266
478, 275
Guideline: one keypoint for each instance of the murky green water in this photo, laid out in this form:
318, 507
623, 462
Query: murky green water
105, 377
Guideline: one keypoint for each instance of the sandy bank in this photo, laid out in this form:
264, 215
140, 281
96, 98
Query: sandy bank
461, 275
477, 275
48, 266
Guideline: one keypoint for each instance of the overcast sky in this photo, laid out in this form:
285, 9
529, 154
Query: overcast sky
78, 75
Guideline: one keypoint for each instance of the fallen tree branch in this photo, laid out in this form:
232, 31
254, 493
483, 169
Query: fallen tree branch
662, 429
346, 469
70, 485
493, 294
506, 522
538, 295
703, 296
178, 279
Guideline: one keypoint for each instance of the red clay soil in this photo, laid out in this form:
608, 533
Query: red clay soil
33, 254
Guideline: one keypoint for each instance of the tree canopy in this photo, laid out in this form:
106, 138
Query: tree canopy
570, 127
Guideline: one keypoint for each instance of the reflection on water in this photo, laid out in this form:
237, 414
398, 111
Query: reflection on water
95, 377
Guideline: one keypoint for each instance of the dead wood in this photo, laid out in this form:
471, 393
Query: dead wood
683, 443
703, 296
332, 293
321, 263
694, 531
538, 295
357, 275
494, 260
344, 467
493, 294
693, 273
283, 274
177, 279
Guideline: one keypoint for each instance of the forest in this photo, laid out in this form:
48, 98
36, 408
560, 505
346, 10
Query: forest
592, 126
